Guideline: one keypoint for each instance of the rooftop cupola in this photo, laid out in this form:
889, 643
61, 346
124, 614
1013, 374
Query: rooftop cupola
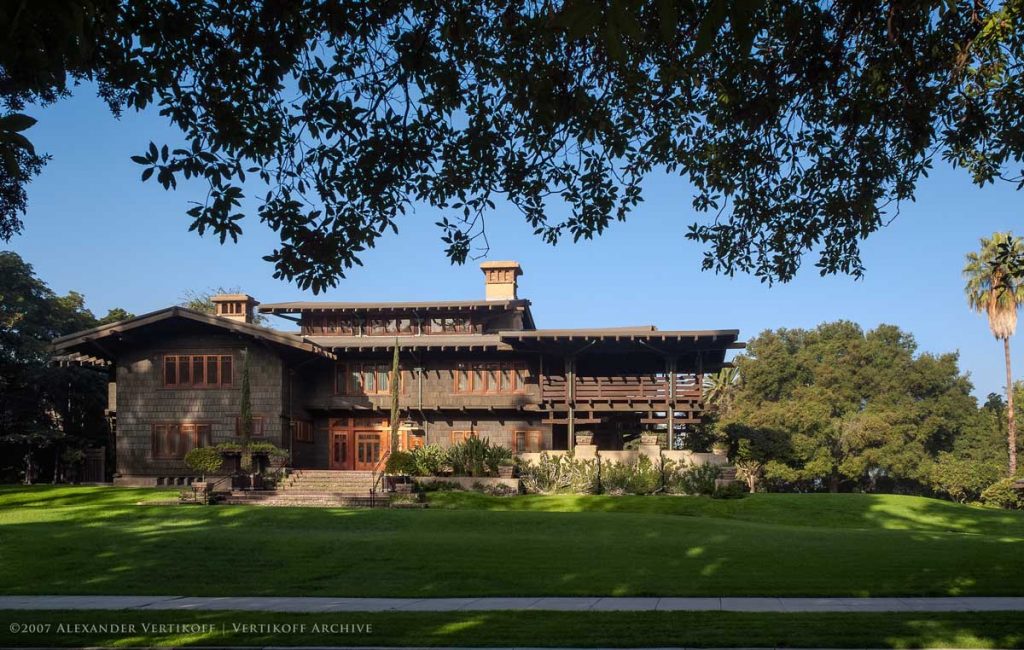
500, 280
236, 306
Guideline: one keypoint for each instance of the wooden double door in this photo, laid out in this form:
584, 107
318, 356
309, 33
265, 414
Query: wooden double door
358, 443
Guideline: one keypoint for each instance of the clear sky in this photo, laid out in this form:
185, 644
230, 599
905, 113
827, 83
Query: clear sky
93, 227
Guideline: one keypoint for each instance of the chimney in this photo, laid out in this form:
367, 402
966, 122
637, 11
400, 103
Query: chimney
500, 280
236, 306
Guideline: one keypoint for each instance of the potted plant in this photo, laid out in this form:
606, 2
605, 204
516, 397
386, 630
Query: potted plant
584, 437
505, 468
648, 437
400, 465
204, 460
720, 447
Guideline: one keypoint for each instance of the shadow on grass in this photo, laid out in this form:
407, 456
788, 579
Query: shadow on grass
618, 546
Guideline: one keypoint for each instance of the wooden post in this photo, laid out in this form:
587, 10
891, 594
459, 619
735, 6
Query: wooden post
570, 398
670, 370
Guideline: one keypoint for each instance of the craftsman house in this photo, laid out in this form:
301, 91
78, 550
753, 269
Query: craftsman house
321, 389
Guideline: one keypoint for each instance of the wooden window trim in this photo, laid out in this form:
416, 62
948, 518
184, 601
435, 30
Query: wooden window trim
515, 369
302, 431
345, 370
222, 362
457, 436
533, 441
200, 434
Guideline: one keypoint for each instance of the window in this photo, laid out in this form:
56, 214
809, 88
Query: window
493, 377
362, 379
198, 370
409, 441
462, 436
329, 324
173, 441
526, 441
453, 325
302, 430
258, 426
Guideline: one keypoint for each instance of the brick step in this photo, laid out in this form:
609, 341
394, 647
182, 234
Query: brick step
326, 486
329, 473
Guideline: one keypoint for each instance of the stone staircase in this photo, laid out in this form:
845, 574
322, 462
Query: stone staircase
317, 488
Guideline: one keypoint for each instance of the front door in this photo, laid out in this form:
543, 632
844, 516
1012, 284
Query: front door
341, 449
357, 443
369, 446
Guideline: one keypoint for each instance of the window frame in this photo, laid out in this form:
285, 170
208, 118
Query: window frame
529, 435
199, 434
259, 426
302, 431
456, 436
470, 373
224, 365
372, 370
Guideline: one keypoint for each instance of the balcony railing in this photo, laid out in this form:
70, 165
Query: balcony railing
632, 388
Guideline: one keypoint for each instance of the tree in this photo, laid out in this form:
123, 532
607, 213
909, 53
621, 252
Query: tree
997, 291
800, 125
245, 418
755, 447
44, 406
857, 409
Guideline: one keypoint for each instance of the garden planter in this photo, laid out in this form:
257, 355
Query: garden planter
584, 438
720, 449
505, 471
648, 438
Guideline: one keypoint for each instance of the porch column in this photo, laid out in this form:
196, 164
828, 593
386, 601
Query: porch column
570, 398
670, 371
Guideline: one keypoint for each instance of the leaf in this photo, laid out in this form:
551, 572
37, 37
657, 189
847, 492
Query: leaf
16, 122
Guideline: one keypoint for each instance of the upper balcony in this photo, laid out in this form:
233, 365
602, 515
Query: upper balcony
624, 392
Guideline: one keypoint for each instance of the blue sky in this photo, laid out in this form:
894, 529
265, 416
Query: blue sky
93, 227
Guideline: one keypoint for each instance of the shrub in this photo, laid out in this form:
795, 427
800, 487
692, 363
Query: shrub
268, 448
476, 457
439, 486
1003, 494
691, 479
401, 463
564, 473
641, 477
732, 490
430, 460
499, 490
962, 479
205, 460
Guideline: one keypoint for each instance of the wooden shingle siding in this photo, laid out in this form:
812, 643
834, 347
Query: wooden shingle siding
143, 400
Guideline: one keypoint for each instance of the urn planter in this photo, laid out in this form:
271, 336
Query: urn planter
584, 438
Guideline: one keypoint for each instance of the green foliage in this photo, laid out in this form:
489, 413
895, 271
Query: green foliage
401, 463
205, 460
1003, 494
755, 447
560, 473
733, 490
43, 405
843, 408
640, 477
429, 460
963, 479
580, 102
682, 478
476, 457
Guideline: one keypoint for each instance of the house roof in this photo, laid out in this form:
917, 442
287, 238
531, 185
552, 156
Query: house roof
300, 306
91, 342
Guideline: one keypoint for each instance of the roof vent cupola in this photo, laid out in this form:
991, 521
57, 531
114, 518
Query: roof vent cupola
500, 280
236, 306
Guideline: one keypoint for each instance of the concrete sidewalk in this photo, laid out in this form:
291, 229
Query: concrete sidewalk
595, 604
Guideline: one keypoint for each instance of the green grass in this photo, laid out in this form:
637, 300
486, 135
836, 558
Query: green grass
607, 629
97, 541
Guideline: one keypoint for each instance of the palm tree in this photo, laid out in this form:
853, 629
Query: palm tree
719, 389
994, 287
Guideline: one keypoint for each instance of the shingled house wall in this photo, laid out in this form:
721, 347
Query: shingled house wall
143, 400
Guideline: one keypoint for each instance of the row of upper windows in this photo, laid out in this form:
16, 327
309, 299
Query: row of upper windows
350, 378
329, 324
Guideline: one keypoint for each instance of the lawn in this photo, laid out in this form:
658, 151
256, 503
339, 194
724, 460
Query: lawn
98, 541
477, 629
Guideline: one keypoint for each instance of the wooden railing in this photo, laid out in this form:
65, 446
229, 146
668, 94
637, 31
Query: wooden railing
650, 388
